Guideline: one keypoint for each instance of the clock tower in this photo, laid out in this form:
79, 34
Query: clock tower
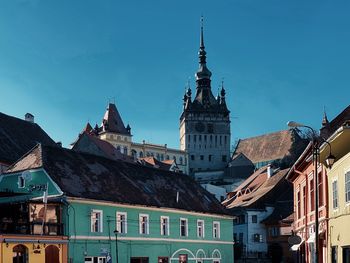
205, 123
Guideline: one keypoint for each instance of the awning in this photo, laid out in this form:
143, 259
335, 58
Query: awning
296, 247
311, 238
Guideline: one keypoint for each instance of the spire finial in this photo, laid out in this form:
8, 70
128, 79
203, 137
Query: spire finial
201, 36
325, 121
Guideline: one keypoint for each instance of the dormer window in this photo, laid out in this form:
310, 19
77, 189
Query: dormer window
21, 182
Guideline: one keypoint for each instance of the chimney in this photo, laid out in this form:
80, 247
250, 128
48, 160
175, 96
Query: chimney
269, 171
29, 117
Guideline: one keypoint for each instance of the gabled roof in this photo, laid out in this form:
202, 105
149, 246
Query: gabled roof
166, 165
18, 137
112, 122
333, 125
89, 143
266, 147
258, 190
93, 177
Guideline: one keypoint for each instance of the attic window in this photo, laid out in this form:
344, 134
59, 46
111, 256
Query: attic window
21, 182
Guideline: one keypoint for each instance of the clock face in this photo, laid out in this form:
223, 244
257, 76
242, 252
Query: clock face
199, 127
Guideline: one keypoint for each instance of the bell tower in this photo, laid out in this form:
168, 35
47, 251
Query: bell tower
205, 122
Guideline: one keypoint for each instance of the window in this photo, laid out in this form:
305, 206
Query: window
257, 238
194, 138
216, 229
205, 138
181, 160
346, 254
183, 227
241, 237
163, 260
200, 228
298, 205
121, 222
347, 187
334, 257
141, 154
274, 231
224, 158
158, 156
304, 201
192, 157
254, 219
235, 237
209, 157
95, 260
225, 139
125, 150
21, 182
164, 225
139, 260
167, 157
335, 194
312, 195
96, 221
183, 258
320, 189
200, 138
202, 157
189, 138
143, 224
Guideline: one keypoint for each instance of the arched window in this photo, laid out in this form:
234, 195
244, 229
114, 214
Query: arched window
20, 254
125, 150
141, 154
133, 153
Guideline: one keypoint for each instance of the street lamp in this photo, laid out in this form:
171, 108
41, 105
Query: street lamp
116, 245
316, 140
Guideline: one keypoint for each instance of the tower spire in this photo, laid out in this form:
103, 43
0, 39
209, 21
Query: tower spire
203, 72
325, 121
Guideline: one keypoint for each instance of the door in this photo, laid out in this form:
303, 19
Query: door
20, 254
52, 254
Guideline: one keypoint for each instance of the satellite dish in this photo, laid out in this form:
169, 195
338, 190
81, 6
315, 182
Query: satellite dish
26, 175
294, 240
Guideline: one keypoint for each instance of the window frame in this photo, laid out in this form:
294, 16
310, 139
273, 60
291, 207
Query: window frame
347, 187
202, 227
167, 226
218, 236
118, 223
186, 227
335, 194
147, 224
100, 223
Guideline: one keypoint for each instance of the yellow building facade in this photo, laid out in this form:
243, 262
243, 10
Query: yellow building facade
33, 249
339, 195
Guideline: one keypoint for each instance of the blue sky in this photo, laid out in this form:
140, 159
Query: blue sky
64, 60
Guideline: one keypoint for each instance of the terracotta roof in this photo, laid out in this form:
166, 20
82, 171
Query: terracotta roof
153, 162
337, 122
112, 122
267, 147
89, 176
18, 136
258, 190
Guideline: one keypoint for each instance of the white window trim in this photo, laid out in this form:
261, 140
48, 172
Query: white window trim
203, 227
167, 226
186, 220
118, 223
21, 177
347, 203
100, 223
147, 224
218, 230
332, 194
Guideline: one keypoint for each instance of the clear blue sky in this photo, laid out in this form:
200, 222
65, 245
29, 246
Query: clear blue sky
281, 60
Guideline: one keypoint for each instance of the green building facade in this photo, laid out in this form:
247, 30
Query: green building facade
109, 208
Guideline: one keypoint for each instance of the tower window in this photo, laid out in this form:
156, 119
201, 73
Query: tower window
225, 139
224, 158
220, 140
209, 157
200, 137
192, 157
189, 138
194, 138
216, 140
202, 157
211, 138
205, 138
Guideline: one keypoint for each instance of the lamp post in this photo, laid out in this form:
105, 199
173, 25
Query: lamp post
316, 140
116, 245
